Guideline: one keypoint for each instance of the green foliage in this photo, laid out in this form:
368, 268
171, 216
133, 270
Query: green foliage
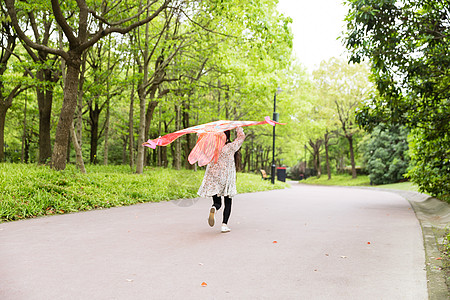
386, 154
220, 59
430, 157
407, 44
29, 191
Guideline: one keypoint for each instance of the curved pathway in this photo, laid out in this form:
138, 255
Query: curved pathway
305, 242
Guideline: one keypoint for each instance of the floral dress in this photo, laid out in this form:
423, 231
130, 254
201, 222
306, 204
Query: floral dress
220, 177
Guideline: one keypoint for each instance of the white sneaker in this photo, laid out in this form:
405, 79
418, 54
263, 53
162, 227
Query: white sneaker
225, 228
212, 216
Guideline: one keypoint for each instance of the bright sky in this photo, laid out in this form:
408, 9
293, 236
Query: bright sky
316, 25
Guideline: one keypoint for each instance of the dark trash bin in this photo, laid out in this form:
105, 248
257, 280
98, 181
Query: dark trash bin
281, 174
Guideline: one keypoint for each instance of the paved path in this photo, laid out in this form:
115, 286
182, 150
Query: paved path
331, 243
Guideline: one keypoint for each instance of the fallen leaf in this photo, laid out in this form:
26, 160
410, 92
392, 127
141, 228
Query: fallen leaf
274, 242
438, 258
204, 284
368, 243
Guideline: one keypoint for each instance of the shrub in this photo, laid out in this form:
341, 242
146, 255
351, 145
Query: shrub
430, 157
386, 154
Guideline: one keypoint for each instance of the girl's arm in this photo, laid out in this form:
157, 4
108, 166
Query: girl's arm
237, 143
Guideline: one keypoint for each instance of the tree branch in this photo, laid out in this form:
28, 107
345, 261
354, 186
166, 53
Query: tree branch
13, 14
101, 33
118, 23
59, 17
204, 28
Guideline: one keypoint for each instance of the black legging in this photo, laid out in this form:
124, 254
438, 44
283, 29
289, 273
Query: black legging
227, 209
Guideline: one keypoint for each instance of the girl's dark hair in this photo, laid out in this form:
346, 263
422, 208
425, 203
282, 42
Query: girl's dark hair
228, 135
237, 154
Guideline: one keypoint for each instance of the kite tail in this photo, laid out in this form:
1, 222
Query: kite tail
271, 122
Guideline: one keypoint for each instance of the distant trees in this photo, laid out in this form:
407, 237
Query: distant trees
187, 62
342, 87
81, 36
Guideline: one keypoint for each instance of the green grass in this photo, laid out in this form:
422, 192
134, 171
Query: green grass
28, 191
343, 180
361, 180
404, 186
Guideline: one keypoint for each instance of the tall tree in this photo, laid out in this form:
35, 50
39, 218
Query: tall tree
347, 85
8, 89
160, 52
316, 146
106, 20
47, 74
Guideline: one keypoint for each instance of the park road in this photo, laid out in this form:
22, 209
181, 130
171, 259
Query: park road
304, 242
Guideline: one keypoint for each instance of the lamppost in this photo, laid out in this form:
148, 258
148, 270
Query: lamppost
275, 118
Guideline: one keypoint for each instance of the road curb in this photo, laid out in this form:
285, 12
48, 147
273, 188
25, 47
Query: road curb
434, 217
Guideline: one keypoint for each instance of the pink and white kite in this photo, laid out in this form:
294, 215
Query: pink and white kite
210, 138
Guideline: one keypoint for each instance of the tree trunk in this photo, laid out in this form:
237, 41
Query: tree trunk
148, 120
316, 165
319, 165
3, 110
141, 137
68, 148
24, 132
80, 96
326, 140
94, 116
26, 154
315, 146
108, 99
164, 160
328, 161
105, 154
66, 115
186, 124
124, 149
77, 146
352, 156
177, 154
131, 126
45, 99
246, 159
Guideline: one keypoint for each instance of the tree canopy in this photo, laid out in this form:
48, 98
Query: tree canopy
407, 44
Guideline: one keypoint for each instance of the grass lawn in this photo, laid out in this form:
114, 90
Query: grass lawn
342, 179
404, 186
361, 180
28, 191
